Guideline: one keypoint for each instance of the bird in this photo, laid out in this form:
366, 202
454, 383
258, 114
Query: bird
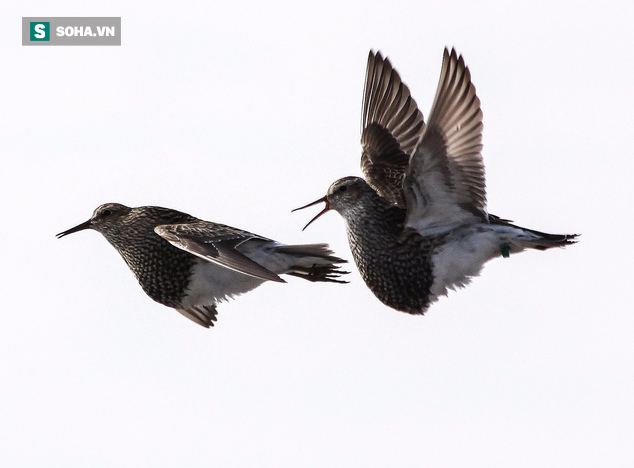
190, 265
418, 224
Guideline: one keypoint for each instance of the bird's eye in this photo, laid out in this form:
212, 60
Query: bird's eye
343, 188
106, 213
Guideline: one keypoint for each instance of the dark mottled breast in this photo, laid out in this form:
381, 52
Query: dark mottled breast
163, 270
394, 263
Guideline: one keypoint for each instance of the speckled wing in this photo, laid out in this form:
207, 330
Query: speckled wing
445, 185
391, 126
217, 243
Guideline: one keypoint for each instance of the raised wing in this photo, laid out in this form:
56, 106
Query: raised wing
217, 243
445, 185
391, 127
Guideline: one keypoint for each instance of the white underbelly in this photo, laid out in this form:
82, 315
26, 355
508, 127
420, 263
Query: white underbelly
212, 283
462, 258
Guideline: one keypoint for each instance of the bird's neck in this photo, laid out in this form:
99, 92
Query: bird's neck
376, 217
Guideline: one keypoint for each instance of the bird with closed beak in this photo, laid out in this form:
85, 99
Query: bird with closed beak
191, 265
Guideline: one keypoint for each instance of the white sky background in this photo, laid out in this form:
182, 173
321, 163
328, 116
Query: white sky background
238, 113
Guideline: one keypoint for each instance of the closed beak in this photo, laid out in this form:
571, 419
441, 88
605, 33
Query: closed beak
81, 227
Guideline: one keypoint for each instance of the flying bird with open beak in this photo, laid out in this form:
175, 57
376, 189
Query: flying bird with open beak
418, 224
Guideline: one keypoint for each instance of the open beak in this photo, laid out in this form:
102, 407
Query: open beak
324, 199
81, 227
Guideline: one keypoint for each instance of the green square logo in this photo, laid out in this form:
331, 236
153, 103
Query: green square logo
41, 31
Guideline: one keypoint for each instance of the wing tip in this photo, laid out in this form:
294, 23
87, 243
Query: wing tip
203, 315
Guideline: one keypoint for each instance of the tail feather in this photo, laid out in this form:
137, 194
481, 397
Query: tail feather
310, 250
539, 240
319, 273
547, 241
314, 262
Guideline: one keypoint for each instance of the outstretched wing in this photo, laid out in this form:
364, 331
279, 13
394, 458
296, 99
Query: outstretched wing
217, 243
444, 184
391, 127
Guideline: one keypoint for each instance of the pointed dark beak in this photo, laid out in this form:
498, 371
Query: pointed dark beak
325, 200
81, 227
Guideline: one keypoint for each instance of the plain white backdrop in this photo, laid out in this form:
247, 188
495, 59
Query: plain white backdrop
238, 112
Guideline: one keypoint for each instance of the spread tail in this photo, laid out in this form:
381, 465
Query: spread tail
313, 262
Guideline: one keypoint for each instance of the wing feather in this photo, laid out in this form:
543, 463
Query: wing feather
445, 183
217, 243
391, 127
